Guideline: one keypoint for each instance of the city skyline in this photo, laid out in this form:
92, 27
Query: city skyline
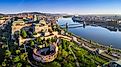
61, 6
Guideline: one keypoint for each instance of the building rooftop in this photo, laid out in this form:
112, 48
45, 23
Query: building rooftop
118, 62
18, 22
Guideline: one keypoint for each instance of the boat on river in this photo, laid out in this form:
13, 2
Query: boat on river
77, 19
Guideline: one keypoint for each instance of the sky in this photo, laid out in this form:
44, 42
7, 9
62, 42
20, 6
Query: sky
61, 6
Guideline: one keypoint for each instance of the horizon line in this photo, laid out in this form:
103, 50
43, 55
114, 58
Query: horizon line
64, 13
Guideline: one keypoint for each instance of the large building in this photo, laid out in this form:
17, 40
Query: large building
47, 54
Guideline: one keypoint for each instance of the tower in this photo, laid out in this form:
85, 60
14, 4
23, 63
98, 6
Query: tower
35, 18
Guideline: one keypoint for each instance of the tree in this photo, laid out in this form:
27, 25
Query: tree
49, 40
4, 46
28, 66
19, 65
1, 55
46, 44
3, 64
53, 39
59, 58
24, 34
34, 33
53, 64
70, 58
64, 44
64, 53
56, 64
54, 27
38, 39
18, 51
7, 53
110, 48
4, 39
32, 43
23, 56
90, 41
68, 65
16, 59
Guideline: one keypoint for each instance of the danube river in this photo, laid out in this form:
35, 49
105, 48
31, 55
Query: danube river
97, 34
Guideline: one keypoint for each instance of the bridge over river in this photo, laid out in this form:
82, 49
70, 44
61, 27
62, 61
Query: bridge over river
73, 25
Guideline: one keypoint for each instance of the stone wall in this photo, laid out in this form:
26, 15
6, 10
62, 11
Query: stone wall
47, 58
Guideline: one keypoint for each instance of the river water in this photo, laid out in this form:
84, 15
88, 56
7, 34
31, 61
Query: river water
97, 34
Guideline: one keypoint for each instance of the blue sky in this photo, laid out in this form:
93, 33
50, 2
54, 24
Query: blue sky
62, 6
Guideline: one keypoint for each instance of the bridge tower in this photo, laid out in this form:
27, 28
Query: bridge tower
84, 24
66, 25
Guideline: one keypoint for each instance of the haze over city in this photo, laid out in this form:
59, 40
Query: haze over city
61, 6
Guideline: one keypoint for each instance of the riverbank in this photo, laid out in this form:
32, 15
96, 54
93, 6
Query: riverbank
92, 42
97, 34
93, 45
96, 44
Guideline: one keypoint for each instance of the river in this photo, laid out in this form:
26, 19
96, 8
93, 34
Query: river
97, 34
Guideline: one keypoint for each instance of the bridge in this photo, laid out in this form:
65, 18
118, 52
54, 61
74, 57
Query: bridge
73, 25
76, 26
69, 24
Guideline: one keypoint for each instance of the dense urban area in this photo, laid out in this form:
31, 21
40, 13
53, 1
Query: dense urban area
36, 40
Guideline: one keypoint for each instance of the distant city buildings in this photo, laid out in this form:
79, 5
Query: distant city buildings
97, 18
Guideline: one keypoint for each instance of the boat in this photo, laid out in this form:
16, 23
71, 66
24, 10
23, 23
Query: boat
77, 19
119, 29
111, 28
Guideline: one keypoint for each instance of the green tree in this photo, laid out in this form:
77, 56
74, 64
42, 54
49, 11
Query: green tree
34, 33
28, 66
49, 40
70, 58
110, 49
64, 44
3, 64
7, 53
18, 51
64, 53
53, 64
19, 65
32, 43
38, 39
24, 34
68, 65
16, 59
23, 56
53, 39
46, 44
71, 43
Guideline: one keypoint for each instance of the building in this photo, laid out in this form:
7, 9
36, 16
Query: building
35, 18
116, 63
2, 21
16, 26
46, 54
